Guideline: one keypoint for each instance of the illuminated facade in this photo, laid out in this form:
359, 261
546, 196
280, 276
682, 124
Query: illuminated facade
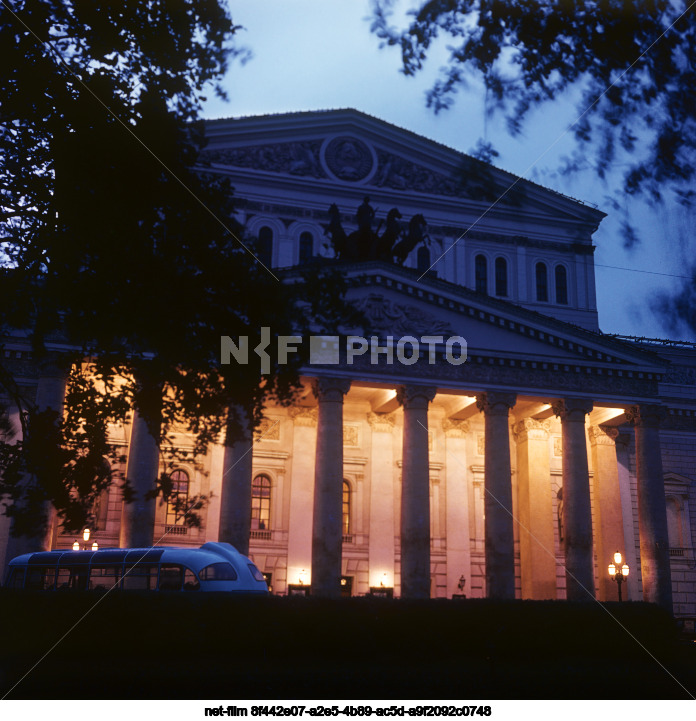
516, 474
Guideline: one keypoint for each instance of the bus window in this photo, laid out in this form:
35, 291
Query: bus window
16, 577
258, 576
190, 581
103, 578
141, 577
71, 578
40, 578
218, 572
171, 577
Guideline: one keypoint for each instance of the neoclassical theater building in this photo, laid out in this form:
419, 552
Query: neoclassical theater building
518, 473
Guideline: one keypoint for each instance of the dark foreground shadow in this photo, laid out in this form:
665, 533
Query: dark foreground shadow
199, 646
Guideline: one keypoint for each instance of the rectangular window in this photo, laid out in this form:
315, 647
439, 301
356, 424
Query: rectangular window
177, 503
102, 578
261, 503
16, 579
40, 578
72, 578
171, 577
141, 577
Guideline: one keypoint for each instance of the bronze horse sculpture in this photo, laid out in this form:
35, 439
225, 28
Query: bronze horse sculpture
416, 234
366, 244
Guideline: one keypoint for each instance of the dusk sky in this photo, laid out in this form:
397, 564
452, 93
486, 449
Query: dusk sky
320, 54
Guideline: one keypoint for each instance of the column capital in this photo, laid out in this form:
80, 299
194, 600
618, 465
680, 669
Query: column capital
455, 429
496, 403
381, 422
412, 396
530, 429
328, 388
603, 435
304, 416
572, 409
646, 414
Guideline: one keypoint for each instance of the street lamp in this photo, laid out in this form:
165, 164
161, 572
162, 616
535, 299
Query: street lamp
618, 571
85, 537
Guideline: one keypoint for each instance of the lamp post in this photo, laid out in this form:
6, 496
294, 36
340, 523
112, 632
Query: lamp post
618, 571
85, 537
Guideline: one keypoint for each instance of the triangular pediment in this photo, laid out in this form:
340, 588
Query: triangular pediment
396, 301
345, 150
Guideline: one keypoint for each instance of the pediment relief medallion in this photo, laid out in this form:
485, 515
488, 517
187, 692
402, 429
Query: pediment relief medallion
348, 158
385, 316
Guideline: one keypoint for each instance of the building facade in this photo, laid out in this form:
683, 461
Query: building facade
518, 473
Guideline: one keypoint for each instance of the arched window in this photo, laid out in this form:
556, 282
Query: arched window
265, 246
306, 247
178, 498
542, 283
501, 281
346, 508
423, 259
261, 503
481, 271
561, 285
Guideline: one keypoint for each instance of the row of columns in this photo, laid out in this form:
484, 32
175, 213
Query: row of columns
499, 517
143, 463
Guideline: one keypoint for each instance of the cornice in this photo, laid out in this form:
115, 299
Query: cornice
502, 314
291, 213
488, 373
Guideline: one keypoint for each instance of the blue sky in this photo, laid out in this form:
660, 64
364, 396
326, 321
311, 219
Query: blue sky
319, 54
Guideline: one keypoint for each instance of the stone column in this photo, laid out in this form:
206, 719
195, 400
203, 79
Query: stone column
577, 510
609, 536
497, 502
382, 517
142, 471
457, 507
535, 508
652, 511
328, 488
235, 488
415, 492
50, 396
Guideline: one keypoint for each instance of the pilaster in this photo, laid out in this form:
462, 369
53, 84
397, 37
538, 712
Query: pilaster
607, 501
535, 509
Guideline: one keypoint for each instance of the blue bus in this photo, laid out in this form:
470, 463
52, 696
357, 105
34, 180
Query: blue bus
212, 567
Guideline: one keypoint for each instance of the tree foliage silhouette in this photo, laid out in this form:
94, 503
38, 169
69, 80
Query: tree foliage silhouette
631, 60
115, 244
